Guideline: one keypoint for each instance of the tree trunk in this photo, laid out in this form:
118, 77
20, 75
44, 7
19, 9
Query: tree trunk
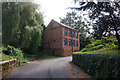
118, 38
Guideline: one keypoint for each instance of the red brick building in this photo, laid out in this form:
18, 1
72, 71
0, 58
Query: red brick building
60, 39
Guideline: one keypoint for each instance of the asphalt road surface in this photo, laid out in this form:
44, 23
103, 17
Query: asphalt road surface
47, 68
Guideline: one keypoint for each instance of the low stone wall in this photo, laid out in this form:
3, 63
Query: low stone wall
7, 66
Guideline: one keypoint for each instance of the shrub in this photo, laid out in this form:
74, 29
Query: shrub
98, 66
92, 48
111, 46
105, 42
15, 53
4, 57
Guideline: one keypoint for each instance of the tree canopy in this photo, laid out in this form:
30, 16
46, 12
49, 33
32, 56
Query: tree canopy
106, 15
22, 25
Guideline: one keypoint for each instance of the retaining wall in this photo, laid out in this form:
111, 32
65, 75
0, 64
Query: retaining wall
7, 66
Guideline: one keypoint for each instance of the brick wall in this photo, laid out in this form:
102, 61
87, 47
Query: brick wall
70, 49
54, 39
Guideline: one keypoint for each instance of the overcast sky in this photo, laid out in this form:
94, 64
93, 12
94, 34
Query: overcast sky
53, 9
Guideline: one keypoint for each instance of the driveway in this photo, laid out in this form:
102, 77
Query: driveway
47, 68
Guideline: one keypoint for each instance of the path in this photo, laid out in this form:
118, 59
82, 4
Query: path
47, 68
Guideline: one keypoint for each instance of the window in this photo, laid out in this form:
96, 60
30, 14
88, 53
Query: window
76, 35
65, 32
73, 42
76, 43
65, 42
70, 42
69, 33
73, 34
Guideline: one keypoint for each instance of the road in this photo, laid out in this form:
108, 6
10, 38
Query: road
47, 68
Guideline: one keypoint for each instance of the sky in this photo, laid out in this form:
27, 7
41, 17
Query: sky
53, 9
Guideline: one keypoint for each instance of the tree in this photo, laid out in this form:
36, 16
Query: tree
22, 25
74, 21
106, 14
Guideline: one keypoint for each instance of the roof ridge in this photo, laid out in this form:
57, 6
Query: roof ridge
64, 25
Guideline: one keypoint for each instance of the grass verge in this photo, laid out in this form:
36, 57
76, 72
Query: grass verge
28, 57
101, 51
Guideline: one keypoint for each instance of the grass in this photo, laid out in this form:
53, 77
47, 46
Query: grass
101, 51
27, 58
48, 56
4, 57
38, 56
10, 53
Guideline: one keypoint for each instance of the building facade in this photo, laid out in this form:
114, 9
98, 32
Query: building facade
60, 39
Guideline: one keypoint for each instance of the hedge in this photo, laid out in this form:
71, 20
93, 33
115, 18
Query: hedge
98, 65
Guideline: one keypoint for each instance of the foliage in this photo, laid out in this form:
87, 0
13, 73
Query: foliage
92, 48
73, 20
101, 51
99, 66
84, 40
32, 39
15, 53
18, 19
111, 46
4, 57
104, 42
104, 17
0, 39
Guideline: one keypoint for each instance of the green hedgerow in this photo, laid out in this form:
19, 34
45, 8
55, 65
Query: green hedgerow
99, 65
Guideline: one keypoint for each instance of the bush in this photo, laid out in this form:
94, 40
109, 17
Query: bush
105, 42
111, 46
93, 48
4, 57
98, 66
15, 53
